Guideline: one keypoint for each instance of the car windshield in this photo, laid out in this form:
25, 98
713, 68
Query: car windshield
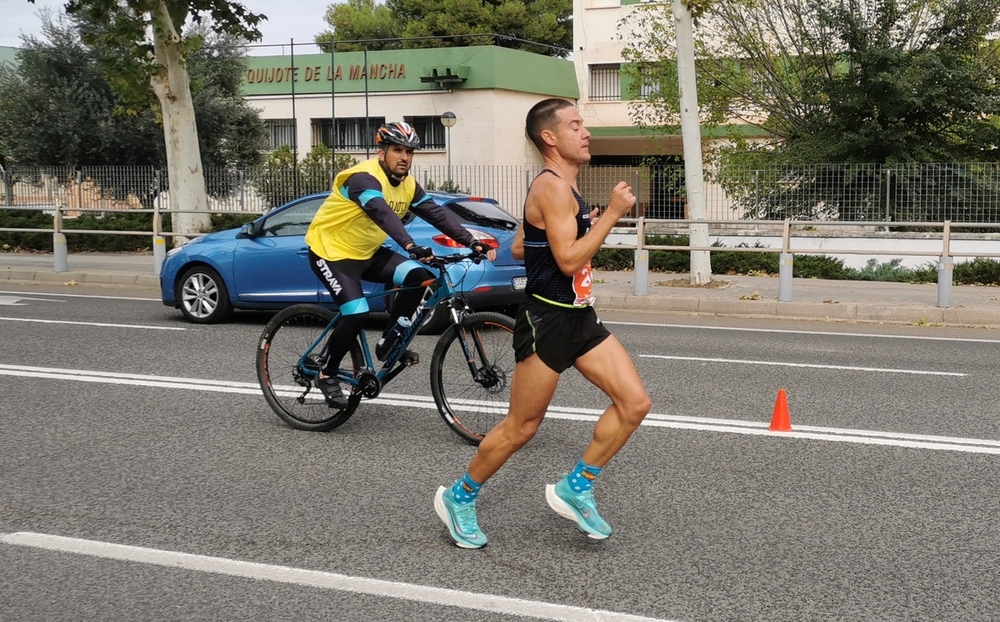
483, 214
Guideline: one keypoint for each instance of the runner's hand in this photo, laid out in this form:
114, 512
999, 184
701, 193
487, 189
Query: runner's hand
621, 201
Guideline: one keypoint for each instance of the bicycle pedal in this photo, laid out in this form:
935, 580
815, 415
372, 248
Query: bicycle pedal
409, 358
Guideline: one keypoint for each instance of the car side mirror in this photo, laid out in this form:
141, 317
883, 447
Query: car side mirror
248, 230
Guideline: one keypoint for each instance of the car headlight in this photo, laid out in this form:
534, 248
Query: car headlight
173, 251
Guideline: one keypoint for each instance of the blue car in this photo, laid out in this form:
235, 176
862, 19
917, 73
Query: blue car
262, 265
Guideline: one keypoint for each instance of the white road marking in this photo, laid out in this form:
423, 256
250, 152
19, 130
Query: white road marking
318, 579
802, 332
101, 324
810, 365
730, 426
16, 301
84, 296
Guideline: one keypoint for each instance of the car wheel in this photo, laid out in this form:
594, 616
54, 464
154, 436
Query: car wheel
203, 296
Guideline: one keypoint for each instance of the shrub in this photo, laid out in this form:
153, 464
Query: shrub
283, 179
744, 262
979, 271
818, 267
875, 271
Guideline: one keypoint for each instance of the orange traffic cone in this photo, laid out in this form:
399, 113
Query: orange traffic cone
780, 421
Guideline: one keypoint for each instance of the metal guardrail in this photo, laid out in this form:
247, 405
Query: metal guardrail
786, 252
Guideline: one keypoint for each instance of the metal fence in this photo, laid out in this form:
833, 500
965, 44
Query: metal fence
961, 192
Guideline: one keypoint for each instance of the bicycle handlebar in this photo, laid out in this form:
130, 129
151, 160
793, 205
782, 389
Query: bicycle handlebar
440, 261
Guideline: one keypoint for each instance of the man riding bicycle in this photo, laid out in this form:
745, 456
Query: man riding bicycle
367, 205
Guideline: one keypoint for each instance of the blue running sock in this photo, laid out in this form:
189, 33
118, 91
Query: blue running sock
465, 490
583, 476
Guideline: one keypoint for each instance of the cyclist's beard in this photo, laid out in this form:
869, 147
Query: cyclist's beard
393, 177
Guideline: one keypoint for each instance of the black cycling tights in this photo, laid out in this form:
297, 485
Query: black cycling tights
343, 279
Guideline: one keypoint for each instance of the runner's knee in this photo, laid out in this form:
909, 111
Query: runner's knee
518, 434
635, 409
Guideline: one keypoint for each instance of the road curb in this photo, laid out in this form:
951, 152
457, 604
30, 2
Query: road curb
78, 278
849, 312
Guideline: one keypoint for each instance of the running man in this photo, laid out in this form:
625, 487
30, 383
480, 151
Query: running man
556, 327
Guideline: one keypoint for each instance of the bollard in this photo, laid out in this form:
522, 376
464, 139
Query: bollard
946, 268
785, 277
640, 286
59, 251
159, 253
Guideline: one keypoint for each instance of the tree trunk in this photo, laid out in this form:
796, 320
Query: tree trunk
694, 179
172, 86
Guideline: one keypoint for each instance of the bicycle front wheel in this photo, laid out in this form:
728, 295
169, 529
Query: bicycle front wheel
471, 372
288, 362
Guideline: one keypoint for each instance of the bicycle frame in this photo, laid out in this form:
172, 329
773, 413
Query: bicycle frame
437, 290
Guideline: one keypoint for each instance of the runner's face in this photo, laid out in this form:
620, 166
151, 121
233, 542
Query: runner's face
398, 159
572, 138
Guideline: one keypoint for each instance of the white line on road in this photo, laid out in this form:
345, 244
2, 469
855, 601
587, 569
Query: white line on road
326, 580
802, 332
103, 324
730, 426
810, 365
83, 296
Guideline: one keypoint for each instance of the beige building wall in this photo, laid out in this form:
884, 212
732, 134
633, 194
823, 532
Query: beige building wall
595, 41
489, 128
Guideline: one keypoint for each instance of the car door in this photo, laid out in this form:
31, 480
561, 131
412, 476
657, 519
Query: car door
273, 266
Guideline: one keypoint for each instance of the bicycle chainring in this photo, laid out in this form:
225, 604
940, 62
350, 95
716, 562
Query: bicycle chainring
368, 384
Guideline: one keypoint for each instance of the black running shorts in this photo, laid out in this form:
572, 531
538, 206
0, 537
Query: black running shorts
558, 335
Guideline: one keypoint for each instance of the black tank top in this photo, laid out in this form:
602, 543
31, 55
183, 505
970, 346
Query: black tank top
545, 280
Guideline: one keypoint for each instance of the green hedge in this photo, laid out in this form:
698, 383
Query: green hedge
96, 242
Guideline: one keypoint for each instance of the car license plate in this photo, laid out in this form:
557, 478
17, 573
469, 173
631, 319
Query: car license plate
520, 282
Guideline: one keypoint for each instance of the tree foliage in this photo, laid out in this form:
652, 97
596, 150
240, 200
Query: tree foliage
57, 108
452, 23
878, 82
145, 49
284, 179
357, 20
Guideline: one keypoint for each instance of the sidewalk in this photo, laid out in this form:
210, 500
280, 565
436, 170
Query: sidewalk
734, 295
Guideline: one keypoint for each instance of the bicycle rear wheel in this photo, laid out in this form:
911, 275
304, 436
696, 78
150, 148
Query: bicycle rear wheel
288, 362
471, 371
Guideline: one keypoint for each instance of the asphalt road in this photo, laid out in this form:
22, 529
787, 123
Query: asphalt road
143, 477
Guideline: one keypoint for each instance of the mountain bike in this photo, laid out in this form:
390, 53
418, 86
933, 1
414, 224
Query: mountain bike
470, 369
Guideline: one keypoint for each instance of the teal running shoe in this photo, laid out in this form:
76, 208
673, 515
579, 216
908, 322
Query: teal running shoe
460, 520
577, 507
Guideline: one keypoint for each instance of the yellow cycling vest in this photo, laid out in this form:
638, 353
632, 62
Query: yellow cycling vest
342, 230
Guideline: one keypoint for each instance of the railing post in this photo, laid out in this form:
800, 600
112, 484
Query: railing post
640, 278
159, 248
8, 186
946, 268
59, 248
785, 267
79, 188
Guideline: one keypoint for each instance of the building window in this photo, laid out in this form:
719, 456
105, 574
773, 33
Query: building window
430, 131
649, 83
280, 133
605, 82
351, 134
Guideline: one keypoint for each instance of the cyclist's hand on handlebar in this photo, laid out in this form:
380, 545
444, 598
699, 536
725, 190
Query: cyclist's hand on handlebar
478, 248
420, 252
